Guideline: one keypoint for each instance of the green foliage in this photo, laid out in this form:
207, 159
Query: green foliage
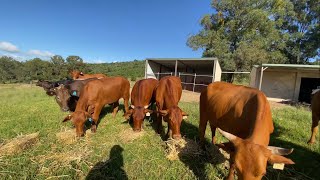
57, 68
241, 33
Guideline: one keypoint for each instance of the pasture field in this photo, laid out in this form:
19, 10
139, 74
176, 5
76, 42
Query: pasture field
115, 152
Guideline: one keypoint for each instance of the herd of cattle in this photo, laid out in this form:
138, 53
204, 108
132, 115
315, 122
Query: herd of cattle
239, 113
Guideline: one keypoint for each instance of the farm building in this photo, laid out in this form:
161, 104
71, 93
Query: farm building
291, 82
195, 73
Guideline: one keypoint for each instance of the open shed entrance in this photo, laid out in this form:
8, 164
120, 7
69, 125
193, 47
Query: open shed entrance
306, 87
195, 73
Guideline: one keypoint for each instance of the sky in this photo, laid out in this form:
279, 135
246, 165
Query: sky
100, 30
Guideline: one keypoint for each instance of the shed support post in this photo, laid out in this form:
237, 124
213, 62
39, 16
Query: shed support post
194, 81
261, 74
176, 68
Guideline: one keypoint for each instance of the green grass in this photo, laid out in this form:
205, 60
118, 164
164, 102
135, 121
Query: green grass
26, 109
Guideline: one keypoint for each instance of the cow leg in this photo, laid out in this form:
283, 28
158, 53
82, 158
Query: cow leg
202, 126
213, 132
159, 120
115, 109
314, 129
231, 172
126, 101
95, 117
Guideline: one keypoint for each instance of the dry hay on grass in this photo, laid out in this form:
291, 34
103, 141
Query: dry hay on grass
19, 144
68, 136
183, 146
128, 135
188, 96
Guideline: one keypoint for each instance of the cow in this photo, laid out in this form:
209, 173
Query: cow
94, 95
243, 116
168, 94
67, 95
142, 96
315, 109
78, 75
49, 85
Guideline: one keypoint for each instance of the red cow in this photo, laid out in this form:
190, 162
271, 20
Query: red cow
246, 116
77, 75
315, 108
142, 95
168, 94
94, 95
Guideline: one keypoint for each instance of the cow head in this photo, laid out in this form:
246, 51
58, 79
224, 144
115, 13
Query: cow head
75, 74
62, 97
78, 119
249, 159
138, 113
174, 116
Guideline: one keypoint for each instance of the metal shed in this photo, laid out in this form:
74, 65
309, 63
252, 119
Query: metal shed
195, 73
291, 82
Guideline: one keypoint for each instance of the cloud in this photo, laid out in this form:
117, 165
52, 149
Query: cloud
16, 56
36, 52
8, 47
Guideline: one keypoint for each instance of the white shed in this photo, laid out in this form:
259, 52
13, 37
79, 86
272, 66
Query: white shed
291, 82
195, 73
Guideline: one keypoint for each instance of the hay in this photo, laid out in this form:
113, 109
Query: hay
128, 135
181, 147
68, 136
19, 144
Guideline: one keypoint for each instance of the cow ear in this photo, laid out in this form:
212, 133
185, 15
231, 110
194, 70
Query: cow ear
51, 92
132, 106
184, 115
148, 111
280, 151
67, 118
228, 147
128, 114
279, 159
163, 112
87, 115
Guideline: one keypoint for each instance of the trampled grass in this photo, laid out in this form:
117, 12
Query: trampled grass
114, 153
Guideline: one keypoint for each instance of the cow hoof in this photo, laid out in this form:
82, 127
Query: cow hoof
93, 129
311, 142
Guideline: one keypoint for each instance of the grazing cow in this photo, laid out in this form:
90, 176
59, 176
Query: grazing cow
168, 94
315, 108
94, 95
47, 85
77, 75
67, 95
142, 95
246, 116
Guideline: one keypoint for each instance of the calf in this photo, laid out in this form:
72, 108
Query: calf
94, 95
142, 95
67, 95
245, 114
168, 94
315, 108
81, 76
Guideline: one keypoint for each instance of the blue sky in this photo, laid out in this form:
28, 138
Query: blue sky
98, 30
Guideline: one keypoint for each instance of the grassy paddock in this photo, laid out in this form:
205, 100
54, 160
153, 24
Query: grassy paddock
111, 154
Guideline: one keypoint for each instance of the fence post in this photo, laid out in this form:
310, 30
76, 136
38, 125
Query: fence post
194, 81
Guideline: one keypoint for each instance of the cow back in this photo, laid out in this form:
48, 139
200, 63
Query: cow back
143, 91
169, 91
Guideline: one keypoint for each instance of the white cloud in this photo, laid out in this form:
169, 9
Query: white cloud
6, 46
36, 52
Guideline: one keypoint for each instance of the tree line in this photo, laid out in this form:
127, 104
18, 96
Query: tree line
242, 33
58, 68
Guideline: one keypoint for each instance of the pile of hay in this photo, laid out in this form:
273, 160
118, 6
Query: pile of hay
181, 147
68, 136
19, 144
128, 135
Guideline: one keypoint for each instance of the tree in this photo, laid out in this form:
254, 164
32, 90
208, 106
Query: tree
59, 67
241, 33
75, 63
304, 31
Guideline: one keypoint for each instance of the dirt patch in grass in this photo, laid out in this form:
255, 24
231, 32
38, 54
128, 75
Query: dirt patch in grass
128, 135
19, 144
189, 96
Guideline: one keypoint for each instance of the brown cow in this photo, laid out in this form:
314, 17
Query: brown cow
168, 94
244, 112
315, 108
94, 95
142, 95
78, 75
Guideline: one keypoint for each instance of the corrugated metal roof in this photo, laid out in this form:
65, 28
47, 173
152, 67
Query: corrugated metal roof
182, 59
289, 66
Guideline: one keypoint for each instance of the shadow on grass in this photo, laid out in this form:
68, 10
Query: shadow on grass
197, 162
307, 162
111, 168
